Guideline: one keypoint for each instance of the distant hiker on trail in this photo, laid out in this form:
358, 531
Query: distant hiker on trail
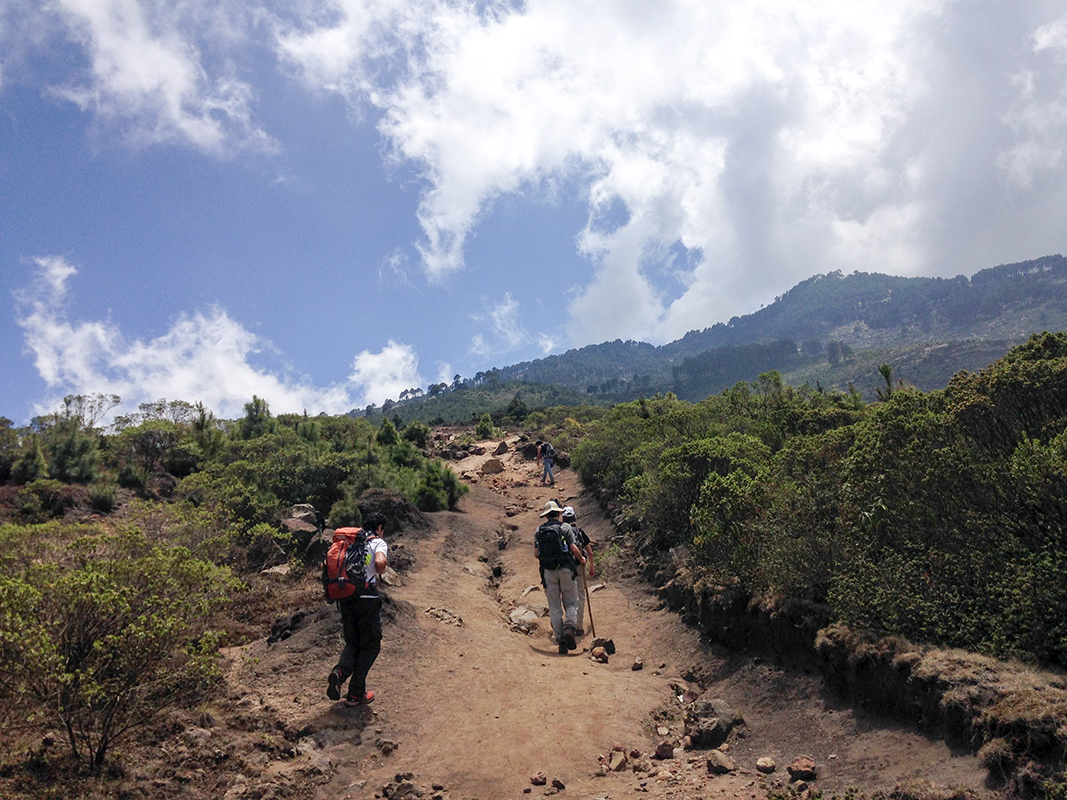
559, 559
547, 454
570, 520
355, 560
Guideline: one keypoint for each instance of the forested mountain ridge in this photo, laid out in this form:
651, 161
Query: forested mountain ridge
829, 320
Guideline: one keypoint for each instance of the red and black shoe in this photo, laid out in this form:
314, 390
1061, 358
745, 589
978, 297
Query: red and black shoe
366, 699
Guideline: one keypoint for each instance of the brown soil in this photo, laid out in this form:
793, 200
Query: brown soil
479, 708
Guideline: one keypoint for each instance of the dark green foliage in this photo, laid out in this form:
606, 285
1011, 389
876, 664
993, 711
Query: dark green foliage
9, 448
485, 429
439, 488
257, 420
71, 452
417, 433
938, 516
32, 464
103, 497
387, 435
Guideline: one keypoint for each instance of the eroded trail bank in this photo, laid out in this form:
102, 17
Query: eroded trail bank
468, 703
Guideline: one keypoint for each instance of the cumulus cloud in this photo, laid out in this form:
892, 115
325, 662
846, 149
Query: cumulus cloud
769, 140
205, 357
385, 374
774, 139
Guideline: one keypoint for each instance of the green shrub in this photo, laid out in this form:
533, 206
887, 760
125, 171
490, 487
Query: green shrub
417, 433
439, 488
103, 497
133, 477
345, 513
485, 429
104, 634
45, 498
31, 465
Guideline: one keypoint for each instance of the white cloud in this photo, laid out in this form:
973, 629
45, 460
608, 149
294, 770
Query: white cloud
546, 343
776, 138
1038, 117
205, 357
505, 332
385, 374
147, 74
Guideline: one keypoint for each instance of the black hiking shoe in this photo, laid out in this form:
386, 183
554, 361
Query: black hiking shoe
333, 691
563, 649
568, 641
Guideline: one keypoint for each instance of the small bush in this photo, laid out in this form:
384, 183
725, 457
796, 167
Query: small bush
345, 513
439, 488
485, 429
103, 497
132, 477
104, 633
417, 433
45, 498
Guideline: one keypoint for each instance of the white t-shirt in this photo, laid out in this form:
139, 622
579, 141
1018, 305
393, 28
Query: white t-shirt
374, 546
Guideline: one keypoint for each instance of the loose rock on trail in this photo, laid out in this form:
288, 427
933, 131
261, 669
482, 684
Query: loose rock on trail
473, 701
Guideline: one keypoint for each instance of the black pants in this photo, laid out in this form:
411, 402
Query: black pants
362, 622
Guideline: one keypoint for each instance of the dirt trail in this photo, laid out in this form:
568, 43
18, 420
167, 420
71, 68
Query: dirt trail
478, 708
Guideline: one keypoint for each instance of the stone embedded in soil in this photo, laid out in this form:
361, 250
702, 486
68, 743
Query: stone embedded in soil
637, 665
766, 765
802, 768
446, 616
617, 761
664, 750
558, 784
539, 779
661, 731
719, 763
492, 466
387, 746
607, 644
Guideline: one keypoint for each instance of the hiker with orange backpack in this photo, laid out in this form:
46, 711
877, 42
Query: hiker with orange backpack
356, 559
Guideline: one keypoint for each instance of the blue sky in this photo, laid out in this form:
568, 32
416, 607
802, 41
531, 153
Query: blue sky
326, 202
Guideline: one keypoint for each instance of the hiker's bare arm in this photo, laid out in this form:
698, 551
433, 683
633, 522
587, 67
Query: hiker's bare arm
577, 553
380, 562
589, 560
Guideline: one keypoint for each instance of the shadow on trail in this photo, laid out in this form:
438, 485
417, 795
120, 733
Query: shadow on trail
556, 654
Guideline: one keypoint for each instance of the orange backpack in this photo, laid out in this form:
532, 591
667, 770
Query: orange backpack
344, 572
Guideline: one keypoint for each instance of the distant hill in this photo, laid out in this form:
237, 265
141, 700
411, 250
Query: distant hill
833, 320
829, 330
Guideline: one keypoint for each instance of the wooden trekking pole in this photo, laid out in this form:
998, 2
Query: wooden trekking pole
588, 603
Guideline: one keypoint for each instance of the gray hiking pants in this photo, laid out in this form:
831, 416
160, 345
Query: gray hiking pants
562, 596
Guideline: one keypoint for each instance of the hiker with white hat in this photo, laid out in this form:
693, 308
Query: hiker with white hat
560, 560
585, 547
